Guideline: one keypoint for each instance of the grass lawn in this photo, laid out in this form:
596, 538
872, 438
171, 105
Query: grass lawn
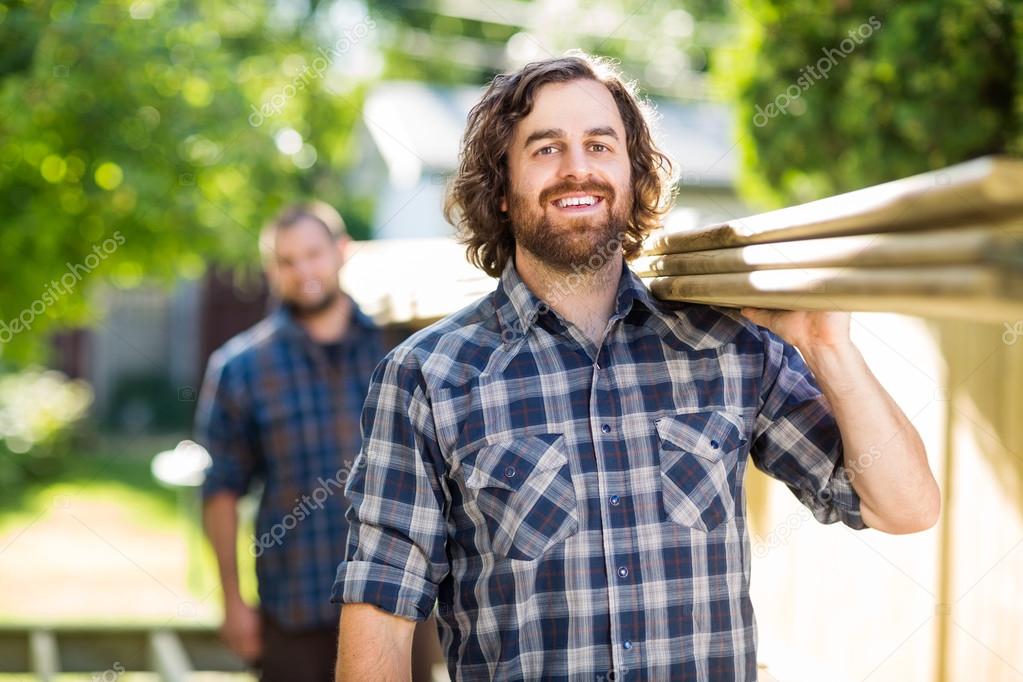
106, 543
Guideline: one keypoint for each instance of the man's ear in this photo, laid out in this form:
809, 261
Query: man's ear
344, 247
504, 205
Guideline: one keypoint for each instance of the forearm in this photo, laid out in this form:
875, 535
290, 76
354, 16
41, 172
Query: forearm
884, 455
220, 519
373, 645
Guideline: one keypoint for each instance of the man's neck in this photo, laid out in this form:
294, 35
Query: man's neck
585, 298
330, 324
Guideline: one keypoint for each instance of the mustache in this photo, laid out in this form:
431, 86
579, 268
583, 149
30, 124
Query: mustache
591, 187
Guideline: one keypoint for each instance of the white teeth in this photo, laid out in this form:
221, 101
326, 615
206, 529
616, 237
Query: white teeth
576, 201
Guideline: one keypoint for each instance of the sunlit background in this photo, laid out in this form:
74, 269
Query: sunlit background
144, 143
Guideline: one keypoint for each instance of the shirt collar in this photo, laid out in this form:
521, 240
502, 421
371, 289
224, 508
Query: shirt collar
631, 290
518, 308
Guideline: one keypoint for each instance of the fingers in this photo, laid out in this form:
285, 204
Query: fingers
242, 632
757, 315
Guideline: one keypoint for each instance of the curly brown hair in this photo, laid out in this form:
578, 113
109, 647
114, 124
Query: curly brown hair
473, 202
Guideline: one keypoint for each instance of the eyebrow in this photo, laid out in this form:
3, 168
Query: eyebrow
554, 133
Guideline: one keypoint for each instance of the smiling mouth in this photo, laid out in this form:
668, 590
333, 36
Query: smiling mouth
578, 203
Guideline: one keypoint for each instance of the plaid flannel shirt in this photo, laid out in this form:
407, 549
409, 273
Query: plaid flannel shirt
578, 513
274, 409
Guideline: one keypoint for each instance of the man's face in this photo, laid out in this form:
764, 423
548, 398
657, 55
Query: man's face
570, 189
303, 266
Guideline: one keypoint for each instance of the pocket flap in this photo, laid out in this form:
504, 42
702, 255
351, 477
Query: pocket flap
509, 463
708, 434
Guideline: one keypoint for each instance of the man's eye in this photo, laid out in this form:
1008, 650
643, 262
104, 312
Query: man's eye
545, 151
598, 147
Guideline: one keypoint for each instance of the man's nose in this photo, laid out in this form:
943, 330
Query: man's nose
575, 164
305, 267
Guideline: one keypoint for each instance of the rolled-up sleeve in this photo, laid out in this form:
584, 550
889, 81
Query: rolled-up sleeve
797, 439
396, 553
221, 426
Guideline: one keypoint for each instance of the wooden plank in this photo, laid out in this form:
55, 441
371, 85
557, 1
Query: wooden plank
44, 654
974, 309
927, 281
986, 189
963, 292
955, 246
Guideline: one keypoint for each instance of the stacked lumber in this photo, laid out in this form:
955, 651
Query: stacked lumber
947, 243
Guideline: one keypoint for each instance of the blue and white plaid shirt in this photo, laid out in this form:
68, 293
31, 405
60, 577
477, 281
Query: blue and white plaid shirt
275, 409
579, 513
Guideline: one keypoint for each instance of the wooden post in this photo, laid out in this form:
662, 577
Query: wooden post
168, 656
45, 654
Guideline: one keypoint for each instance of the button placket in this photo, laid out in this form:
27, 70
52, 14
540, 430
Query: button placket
612, 460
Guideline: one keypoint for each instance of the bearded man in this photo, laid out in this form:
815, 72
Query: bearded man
280, 405
559, 467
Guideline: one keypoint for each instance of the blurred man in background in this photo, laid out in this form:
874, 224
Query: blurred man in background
281, 403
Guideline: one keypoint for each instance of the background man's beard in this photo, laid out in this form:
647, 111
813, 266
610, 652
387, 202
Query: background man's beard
300, 309
568, 246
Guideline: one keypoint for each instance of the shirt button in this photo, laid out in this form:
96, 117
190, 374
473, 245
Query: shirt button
605, 428
623, 572
627, 644
614, 500
714, 444
509, 472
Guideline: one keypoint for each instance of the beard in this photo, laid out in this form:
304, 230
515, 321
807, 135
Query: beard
567, 244
301, 309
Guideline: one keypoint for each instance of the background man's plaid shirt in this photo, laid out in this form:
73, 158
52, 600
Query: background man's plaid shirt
580, 515
274, 410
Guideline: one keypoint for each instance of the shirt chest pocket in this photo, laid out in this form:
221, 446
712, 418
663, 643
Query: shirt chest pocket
522, 490
699, 453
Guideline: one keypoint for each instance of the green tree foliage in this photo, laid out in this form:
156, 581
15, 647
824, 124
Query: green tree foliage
659, 42
910, 87
141, 138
